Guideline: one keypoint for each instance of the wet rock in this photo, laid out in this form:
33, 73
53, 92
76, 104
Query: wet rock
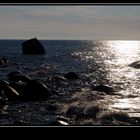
20, 87
59, 79
71, 76
58, 123
17, 76
14, 73
104, 88
3, 83
62, 118
36, 90
32, 46
135, 64
9, 92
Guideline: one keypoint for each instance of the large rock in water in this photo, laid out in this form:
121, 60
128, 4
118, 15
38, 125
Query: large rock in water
135, 64
32, 46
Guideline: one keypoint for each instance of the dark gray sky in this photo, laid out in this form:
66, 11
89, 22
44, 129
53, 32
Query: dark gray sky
70, 22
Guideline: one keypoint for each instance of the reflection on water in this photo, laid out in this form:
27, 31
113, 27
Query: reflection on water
125, 52
109, 60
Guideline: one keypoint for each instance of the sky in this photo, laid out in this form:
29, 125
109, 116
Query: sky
70, 22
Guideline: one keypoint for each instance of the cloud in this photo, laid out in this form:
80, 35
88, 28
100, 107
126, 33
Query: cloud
70, 22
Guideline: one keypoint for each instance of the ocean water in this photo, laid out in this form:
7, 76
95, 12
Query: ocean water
95, 61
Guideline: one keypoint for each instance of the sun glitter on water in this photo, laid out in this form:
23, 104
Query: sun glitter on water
126, 51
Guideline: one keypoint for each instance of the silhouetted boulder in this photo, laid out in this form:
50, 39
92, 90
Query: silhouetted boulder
32, 46
9, 92
36, 90
104, 88
58, 123
71, 76
135, 64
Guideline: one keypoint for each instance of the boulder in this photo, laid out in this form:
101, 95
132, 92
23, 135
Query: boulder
36, 90
32, 46
71, 76
9, 92
104, 88
135, 64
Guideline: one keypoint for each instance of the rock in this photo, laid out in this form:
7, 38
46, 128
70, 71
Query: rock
3, 83
14, 73
9, 92
104, 88
32, 91
36, 90
32, 46
71, 76
17, 78
61, 118
58, 123
59, 79
20, 87
135, 64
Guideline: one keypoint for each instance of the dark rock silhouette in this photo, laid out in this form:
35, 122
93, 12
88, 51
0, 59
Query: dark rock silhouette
10, 93
17, 78
36, 90
135, 64
58, 123
13, 73
71, 76
20, 87
59, 79
32, 46
104, 88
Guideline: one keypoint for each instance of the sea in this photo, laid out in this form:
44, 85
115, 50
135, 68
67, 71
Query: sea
96, 62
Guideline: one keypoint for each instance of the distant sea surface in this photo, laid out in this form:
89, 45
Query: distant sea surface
95, 61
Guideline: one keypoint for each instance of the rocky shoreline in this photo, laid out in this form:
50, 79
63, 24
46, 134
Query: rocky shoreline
59, 100
52, 107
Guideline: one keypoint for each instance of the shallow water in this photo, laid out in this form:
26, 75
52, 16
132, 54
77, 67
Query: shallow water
96, 62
